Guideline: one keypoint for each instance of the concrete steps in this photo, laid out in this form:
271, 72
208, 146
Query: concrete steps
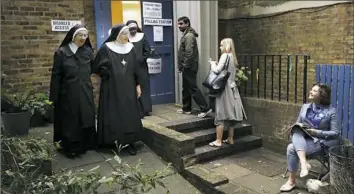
185, 125
203, 132
207, 135
204, 153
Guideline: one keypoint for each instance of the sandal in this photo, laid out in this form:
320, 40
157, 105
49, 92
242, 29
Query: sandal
305, 172
227, 142
213, 144
287, 187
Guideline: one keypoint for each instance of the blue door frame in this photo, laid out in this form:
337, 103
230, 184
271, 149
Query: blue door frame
103, 20
162, 85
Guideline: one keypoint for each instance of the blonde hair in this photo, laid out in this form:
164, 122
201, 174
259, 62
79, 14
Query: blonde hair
227, 46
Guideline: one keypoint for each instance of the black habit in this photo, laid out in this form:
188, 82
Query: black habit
71, 91
118, 112
142, 51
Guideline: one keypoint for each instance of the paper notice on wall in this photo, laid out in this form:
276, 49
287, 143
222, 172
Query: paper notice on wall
64, 25
152, 10
158, 33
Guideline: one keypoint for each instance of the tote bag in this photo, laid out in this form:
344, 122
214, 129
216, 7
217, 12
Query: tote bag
216, 82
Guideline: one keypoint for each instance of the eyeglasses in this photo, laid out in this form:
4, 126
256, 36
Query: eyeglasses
180, 23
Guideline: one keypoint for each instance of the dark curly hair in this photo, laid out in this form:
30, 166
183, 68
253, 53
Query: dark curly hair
325, 93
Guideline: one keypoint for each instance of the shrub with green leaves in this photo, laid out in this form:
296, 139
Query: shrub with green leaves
22, 177
242, 75
40, 103
19, 101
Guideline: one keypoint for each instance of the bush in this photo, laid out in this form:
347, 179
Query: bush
23, 177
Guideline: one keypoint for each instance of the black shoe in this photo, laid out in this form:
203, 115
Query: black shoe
132, 149
142, 115
80, 152
71, 155
204, 113
68, 154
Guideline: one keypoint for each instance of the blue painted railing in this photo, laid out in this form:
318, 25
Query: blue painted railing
341, 80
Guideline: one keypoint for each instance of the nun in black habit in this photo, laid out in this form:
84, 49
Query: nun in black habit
71, 91
118, 112
142, 51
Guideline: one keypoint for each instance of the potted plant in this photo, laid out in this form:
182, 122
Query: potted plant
41, 109
49, 111
5, 104
17, 115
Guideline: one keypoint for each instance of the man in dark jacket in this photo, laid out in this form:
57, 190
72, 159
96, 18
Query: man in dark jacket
188, 61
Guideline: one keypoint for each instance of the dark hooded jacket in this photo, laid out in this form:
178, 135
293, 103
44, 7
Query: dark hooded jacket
188, 53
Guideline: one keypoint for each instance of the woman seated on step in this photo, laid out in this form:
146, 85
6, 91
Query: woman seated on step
317, 123
228, 105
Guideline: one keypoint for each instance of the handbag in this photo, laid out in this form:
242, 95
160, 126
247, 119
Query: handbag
216, 82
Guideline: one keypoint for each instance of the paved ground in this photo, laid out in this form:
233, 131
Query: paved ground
256, 171
151, 162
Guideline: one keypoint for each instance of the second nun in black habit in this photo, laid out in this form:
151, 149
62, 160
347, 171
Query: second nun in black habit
142, 51
71, 91
118, 112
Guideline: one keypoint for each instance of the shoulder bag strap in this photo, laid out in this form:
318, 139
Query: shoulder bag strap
227, 62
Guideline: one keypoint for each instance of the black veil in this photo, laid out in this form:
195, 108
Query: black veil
69, 36
115, 32
133, 21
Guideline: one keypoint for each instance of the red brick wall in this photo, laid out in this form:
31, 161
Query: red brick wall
270, 119
324, 33
27, 42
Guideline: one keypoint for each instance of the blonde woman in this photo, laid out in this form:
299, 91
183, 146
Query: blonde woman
228, 105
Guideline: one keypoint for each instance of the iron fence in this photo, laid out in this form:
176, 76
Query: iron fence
275, 77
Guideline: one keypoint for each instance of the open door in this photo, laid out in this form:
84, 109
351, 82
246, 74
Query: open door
103, 20
157, 17
158, 13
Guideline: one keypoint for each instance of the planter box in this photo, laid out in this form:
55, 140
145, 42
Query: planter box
37, 120
16, 123
5, 105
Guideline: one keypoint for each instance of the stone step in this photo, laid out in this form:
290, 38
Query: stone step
211, 182
205, 153
207, 135
183, 125
206, 180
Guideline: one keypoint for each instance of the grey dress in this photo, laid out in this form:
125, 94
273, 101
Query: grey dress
229, 108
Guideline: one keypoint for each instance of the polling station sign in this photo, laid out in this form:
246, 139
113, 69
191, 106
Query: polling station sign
154, 65
157, 22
